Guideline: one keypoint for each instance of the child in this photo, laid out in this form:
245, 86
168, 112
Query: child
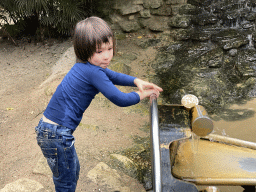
94, 47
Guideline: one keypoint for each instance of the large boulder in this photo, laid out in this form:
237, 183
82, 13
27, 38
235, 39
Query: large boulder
23, 185
103, 175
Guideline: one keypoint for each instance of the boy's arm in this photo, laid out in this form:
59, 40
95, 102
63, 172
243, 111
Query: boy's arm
120, 78
102, 82
127, 80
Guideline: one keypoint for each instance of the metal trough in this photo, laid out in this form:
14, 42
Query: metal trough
170, 129
218, 160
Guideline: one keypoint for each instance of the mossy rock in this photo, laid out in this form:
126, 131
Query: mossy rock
121, 68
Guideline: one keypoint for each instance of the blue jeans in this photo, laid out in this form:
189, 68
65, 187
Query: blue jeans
57, 145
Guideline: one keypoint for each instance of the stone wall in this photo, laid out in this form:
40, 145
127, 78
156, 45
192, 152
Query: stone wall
209, 50
152, 15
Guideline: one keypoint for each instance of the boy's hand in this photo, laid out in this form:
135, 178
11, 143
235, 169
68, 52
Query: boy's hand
147, 92
144, 85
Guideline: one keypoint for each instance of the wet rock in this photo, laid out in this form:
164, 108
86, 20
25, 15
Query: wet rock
140, 155
249, 83
234, 43
145, 43
251, 16
200, 51
246, 63
199, 35
210, 89
252, 86
201, 69
127, 7
254, 36
145, 13
188, 9
115, 18
180, 21
174, 2
166, 57
229, 64
165, 10
152, 4
196, 2
230, 38
23, 185
128, 56
125, 164
121, 61
120, 36
181, 34
129, 26
137, 2
233, 52
126, 10
213, 58
204, 19
121, 68
156, 24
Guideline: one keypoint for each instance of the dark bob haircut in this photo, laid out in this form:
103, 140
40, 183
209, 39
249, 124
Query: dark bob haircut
89, 35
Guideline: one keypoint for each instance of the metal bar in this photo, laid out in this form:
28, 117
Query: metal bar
222, 181
232, 141
155, 145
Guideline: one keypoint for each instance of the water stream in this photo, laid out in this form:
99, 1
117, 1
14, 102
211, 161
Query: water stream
251, 43
195, 142
244, 129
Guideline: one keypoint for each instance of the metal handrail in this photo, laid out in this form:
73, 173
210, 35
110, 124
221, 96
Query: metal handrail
155, 145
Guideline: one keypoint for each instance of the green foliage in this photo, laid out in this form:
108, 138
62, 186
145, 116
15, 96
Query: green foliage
44, 16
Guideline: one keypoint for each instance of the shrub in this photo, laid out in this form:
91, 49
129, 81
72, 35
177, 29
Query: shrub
42, 17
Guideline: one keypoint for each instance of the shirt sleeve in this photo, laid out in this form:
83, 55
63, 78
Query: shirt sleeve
101, 81
120, 78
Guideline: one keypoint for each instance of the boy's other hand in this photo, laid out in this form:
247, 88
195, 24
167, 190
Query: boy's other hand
144, 85
147, 92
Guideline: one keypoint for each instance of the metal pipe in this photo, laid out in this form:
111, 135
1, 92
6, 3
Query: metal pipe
222, 181
155, 145
231, 141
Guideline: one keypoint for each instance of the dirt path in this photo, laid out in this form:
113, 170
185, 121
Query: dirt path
23, 70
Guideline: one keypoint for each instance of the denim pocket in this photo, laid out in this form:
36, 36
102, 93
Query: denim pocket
52, 159
69, 150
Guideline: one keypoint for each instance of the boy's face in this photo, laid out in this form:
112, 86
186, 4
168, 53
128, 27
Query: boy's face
103, 55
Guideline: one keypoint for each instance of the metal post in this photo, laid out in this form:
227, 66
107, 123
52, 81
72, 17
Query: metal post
155, 145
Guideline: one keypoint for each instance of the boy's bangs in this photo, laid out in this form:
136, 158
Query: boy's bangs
102, 36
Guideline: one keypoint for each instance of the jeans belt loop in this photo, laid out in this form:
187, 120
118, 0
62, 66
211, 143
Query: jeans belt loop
54, 130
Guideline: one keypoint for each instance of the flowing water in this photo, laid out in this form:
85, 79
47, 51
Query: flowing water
195, 142
244, 129
196, 155
214, 161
